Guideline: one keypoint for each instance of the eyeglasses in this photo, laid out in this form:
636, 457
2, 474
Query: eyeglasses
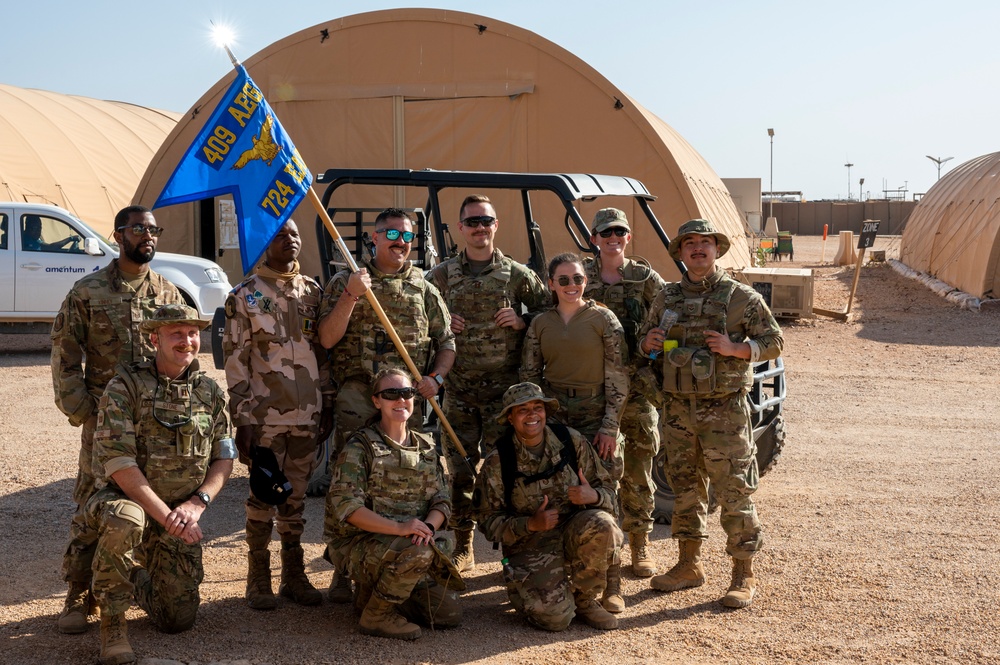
392, 394
394, 234
484, 221
577, 279
618, 231
140, 230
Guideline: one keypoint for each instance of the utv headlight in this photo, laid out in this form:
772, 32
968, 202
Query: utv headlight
214, 275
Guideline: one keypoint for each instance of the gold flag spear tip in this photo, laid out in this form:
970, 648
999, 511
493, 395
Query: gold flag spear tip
223, 36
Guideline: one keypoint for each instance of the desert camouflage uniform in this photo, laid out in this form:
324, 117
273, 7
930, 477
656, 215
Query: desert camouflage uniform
175, 463
487, 356
705, 421
98, 323
630, 299
552, 570
399, 483
279, 379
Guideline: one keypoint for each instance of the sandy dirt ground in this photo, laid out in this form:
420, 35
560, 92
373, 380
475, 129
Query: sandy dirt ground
881, 520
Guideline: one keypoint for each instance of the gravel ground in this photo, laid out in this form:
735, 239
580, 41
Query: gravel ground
880, 519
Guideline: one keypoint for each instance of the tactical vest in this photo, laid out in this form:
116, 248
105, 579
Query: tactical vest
623, 298
402, 482
691, 368
483, 344
366, 347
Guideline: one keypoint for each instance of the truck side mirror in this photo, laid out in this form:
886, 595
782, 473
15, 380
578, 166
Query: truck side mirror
91, 247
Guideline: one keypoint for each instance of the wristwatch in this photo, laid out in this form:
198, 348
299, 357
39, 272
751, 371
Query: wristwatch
204, 497
437, 377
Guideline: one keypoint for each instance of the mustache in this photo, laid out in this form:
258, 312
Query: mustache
187, 348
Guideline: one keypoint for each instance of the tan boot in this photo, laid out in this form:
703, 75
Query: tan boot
340, 588
743, 587
381, 619
115, 648
465, 555
612, 600
642, 564
294, 582
687, 573
595, 616
259, 594
73, 618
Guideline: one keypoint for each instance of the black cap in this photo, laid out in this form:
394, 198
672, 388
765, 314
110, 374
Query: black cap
267, 482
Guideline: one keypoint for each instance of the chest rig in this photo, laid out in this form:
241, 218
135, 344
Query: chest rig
402, 481
483, 344
623, 298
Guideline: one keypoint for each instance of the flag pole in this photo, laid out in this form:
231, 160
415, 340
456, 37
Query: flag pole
383, 317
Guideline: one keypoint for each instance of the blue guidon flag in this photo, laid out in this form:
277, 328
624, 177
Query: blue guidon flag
243, 151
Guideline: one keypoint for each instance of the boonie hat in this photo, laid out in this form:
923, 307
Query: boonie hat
522, 393
698, 227
267, 482
609, 218
172, 314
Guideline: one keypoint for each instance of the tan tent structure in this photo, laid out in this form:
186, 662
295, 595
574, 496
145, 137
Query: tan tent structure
954, 232
427, 88
85, 155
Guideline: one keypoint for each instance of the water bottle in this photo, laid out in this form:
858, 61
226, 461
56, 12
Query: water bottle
667, 321
508, 570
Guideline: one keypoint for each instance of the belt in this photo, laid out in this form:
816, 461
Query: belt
593, 391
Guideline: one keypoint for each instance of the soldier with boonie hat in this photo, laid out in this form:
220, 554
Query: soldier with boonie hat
173, 314
522, 393
701, 227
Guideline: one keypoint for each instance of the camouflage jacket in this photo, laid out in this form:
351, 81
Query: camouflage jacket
417, 312
277, 371
490, 507
483, 348
130, 432
629, 299
99, 323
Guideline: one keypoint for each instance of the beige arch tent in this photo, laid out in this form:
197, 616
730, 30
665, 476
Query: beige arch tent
426, 88
85, 155
954, 232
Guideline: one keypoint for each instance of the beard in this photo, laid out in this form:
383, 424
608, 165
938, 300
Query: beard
135, 254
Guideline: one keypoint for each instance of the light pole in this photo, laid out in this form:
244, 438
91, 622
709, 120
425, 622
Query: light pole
770, 212
939, 161
861, 184
848, 165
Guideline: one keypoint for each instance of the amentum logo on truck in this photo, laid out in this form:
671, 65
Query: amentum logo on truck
65, 269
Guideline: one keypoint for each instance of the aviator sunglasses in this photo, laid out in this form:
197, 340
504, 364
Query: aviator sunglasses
392, 394
577, 279
394, 234
618, 231
484, 221
140, 230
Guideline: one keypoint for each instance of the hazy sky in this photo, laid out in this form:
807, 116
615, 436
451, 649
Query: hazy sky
876, 83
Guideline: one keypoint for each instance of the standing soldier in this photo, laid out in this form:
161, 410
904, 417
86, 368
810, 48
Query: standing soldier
360, 344
722, 328
627, 287
486, 293
99, 321
280, 397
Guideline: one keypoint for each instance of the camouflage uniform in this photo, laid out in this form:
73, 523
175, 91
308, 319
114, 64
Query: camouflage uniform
399, 483
97, 323
487, 356
705, 421
553, 570
175, 463
279, 379
630, 299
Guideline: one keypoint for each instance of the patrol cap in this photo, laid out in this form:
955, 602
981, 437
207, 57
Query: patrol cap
267, 482
609, 218
699, 227
173, 314
522, 393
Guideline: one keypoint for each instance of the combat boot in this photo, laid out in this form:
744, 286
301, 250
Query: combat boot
642, 564
294, 582
115, 649
743, 587
259, 594
688, 572
612, 600
465, 555
595, 616
340, 588
73, 618
381, 619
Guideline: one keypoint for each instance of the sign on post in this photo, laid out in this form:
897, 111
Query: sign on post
869, 229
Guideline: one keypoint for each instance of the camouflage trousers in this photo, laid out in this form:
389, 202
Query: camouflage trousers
136, 557
399, 572
710, 440
79, 554
554, 569
585, 415
640, 427
295, 448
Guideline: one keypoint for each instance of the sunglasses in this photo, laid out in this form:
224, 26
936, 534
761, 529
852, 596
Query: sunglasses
618, 231
484, 221
394, 234
392, 394
577, 279
141, 230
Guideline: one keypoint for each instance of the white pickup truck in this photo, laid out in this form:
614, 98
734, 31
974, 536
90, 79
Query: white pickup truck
44, 250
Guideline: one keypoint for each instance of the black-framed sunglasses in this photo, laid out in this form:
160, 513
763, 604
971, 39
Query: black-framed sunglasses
392, 394
483, 220
577, 280
180, 421
618, 231
395, 234
140, 230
